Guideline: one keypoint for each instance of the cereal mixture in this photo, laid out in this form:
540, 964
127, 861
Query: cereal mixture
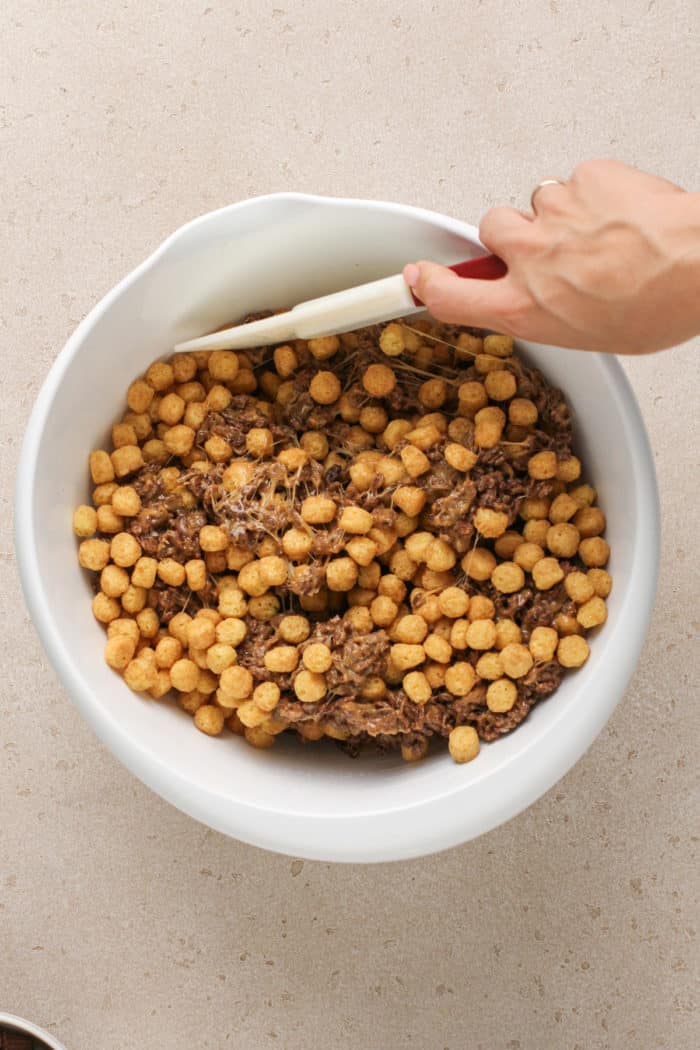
381, 536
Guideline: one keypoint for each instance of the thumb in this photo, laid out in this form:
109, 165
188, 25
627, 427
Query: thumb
456, 300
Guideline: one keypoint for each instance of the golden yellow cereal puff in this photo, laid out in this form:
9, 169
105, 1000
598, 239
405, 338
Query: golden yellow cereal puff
535, 507
141, 422
325, 388
414, 749
458, 634
162, 686
500, 384
223, 365
127, 460
594, 552
563, 539
479, 563
373, 419
93, 554
585, 495
360, 620
148, 622
317, 657
490, 523
463, 744
469, 346
114, 581
236, 683
507, 633
341, 574
402, 565
489, 666
501, 695
411, 629
579, 587
218, 399
309, 687
601, 580
250, 581
392, 340
435, 419
373, 688
522, 412
362, 550
543, 644
416, 687
563, 508
119, 651
590, 521
179, 439
542, 465
592, 613
209, 719
572, 651
498, 345
281, 659
315, 444
395, 432
453, 602
102, 494
460, 678
435, 673
459, 457
212, 538
508, 577
440, 556
415, 461
171, 572
201, 633
105, 608
140, 675
259, 442
324, 347
171, 409
184, 367
472, 397
167, 651
485, 363
139, 396
259, 738
126, 501
184, 674
378, 380
425, 436
409, 499
101, 467
154, 451
535, 531
355, 520
433, 393
286, 361
437, 648
569, 470
404, 656
318, 510
527, 554
125, 549
481, 634
516, 660
124, 625
273, 570
547, 573
266, 696
123, 434
160, 375
383, 610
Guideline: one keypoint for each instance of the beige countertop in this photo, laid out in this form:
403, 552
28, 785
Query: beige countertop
124, 923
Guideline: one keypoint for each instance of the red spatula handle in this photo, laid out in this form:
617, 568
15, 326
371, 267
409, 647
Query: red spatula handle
485, 268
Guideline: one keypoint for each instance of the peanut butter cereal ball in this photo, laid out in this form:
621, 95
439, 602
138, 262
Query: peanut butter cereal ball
223, 365
392, 340
501, 695
478, 564
341, 574
139, 396
171, 572
108, 521
236, 683
171, 409
572, 651
453, 602
209, 719
84, 521
578, 587
281, 659
355, 520
527, 555
507, 633
500, 384
119, 651
463, 744
592, 613
410, 499
516, 660
324, 347
318, 510
481, 634
522, 412
325, 388
212, 538
543, 644
404, 656
563, 508
508, 577
140, 675
533, 507
563, 540
416, 687
472, 397
167, 651
114, 581
395, 432
433, 393
102, 494
124, 625
148, 623
201, 633
361, 549
264, 607
601, 580
273, 570
179, 440
458, 634
569, 469
126, 460
93, 554
184, 674
460, 678
594, 552
411, 629
309, 687
266, 696
317, 657
286, 361
383, 610
437, 648
415, 461
547, 573
590, 521
379, 380
105, 608
489, 666
250, 715
506, 545
535, 531
439, 556
542, 465
459, 457
125, 550
490, 523
373, 419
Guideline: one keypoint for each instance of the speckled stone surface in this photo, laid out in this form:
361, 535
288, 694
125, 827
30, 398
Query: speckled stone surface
124, 923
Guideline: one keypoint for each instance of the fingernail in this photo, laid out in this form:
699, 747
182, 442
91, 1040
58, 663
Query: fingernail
411, 274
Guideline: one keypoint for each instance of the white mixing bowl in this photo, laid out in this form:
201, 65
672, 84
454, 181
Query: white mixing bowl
312, 801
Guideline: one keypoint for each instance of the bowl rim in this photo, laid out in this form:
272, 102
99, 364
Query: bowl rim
174, 784
20, 1024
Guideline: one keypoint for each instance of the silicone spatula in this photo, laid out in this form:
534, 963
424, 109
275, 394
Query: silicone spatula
370, 303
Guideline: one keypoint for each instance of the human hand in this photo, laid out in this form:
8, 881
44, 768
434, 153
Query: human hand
610, 262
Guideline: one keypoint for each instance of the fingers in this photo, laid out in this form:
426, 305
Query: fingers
504, 229
459, 300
